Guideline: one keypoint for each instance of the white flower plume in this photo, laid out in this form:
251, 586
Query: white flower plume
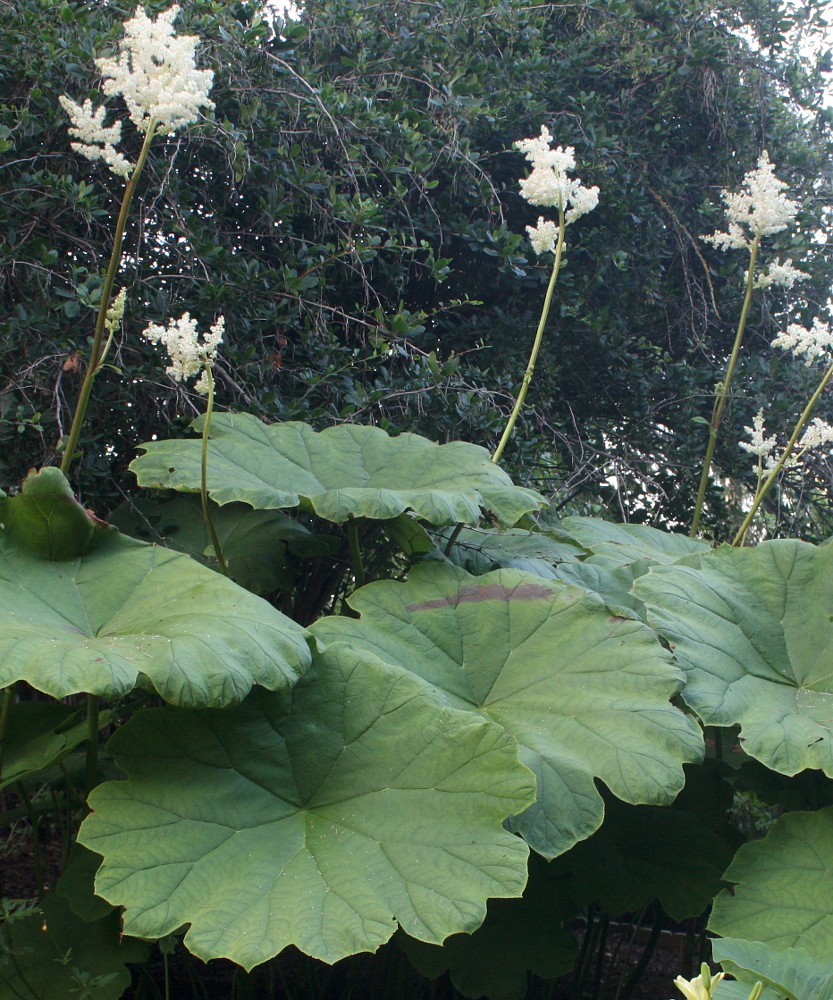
759, 444
817, 434
780, 274
760, 208
549, 183
813, 344
543, 236
189, 356
97, 140
156, 74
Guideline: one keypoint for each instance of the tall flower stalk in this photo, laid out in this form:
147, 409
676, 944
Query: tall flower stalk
193, 356
154, 73
548, 185
759, 209
813, 344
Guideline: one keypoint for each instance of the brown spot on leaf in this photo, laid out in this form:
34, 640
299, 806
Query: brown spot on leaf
474, 593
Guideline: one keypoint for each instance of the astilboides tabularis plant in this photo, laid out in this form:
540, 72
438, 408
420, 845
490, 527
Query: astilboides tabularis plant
471, 728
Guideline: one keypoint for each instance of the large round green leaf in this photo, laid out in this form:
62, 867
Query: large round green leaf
129, 613
46, 518
784, 887
341, 472
752, 630
584, 692
787, 972
479, 550
258, 545
620, 553
37, 735
319, 819
629, 542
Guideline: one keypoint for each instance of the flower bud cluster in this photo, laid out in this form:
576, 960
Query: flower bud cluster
154, 72
189, 355
549, 185
700, 988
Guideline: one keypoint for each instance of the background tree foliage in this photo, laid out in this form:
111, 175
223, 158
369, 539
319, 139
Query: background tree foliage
354, 213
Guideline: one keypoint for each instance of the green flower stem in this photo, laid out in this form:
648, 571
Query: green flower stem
206, 506
536, 345
5, 713
92, 741
355, 550
722, 391
96, 352
779, 465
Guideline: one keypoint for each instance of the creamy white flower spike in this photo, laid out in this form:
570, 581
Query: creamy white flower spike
549, 185
760, 208
759, 444
189, 355
780, 274
543, 236
97, 140
816, 434
813, 344
156, 74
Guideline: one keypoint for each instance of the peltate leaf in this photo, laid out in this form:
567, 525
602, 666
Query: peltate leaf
341, 472
784, 887
788, 972
38, 734
255, 543
320, 818
129, 613
752, 630
631, 542
46, 518
584, 692
479, 550
620, 554
728, 989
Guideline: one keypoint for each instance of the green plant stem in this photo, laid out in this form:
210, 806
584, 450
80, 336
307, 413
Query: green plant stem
355, 550
536, 344
645, 958
92, 741
167, 972
453, 539
779, 465
206, 507
96, 351
34, 821
721, 397
5, 714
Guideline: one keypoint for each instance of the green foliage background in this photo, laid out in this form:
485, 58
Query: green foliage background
354, 213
